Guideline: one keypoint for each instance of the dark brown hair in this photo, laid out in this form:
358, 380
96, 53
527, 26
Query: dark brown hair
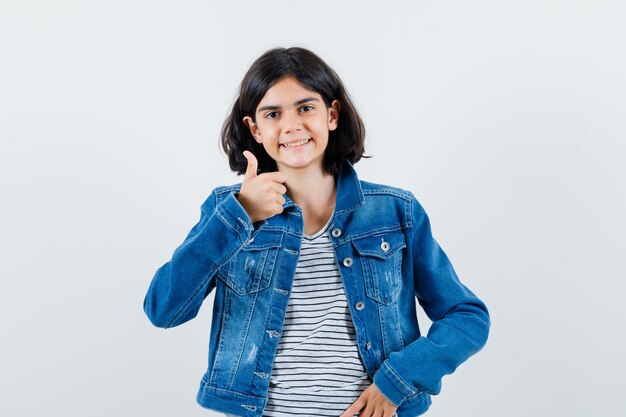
345, 142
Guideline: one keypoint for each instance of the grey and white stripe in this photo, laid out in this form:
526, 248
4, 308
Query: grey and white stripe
317, 370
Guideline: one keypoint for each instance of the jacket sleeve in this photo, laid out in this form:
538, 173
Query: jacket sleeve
179, 286
460, 321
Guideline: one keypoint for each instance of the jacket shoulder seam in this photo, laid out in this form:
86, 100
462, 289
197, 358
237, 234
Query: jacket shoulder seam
371, 188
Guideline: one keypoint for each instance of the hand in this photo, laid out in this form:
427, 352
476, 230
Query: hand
374, 402
261, 195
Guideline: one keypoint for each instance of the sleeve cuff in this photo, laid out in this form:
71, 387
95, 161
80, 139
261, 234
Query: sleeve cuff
391, 385
232, 213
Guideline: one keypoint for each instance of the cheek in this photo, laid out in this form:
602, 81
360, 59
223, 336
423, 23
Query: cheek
267, 131
261, 134
270, 146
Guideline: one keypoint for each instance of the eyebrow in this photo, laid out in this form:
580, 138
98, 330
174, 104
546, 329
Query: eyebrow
297, 103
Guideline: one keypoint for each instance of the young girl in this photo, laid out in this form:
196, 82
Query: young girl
316, 272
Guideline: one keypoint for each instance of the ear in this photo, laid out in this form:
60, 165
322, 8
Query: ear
333, 114
254, 129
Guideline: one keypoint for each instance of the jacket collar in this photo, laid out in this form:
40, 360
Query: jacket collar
349, 191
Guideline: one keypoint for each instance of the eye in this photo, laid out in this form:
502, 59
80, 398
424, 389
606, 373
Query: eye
271, 115
307, 108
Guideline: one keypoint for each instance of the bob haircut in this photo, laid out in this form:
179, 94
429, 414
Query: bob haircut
345, 142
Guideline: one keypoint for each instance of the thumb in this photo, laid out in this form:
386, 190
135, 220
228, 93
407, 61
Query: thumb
252, 165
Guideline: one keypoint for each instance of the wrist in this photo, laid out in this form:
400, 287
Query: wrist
252, 220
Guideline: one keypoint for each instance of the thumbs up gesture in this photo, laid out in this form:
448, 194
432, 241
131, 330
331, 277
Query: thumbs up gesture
261, 195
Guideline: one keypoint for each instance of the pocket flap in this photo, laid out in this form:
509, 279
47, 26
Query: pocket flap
251, 269
380, 246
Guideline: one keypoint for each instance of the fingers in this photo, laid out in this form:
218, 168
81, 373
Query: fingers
354, 408
369, 411
270, 187
251, 169
372, 403
279, 208
278, 188
276, 176
262, 194
378, 412
280, 200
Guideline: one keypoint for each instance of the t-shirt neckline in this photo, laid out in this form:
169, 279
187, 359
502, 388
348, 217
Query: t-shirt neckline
321, 231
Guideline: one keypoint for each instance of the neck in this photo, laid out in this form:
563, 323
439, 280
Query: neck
312, 190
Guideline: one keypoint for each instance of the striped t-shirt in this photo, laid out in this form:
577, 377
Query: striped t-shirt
317, 370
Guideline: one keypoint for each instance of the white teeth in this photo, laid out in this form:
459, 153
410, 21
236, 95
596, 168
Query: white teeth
289, 145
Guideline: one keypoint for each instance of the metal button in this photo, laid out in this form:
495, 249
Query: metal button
368, 345
336, 232
384, 246
347, 262
360, 305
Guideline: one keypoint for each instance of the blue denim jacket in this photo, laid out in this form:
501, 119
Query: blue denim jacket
387, 258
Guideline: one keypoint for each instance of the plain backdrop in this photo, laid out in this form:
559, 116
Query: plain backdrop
505, 118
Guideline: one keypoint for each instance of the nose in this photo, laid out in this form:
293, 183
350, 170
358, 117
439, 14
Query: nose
291, 121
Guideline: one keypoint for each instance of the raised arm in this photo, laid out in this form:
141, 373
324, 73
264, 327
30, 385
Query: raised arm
180, 285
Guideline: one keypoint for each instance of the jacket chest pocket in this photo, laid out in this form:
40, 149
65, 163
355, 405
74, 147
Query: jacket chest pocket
251, 269
381, 261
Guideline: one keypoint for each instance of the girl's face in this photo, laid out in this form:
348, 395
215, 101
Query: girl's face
288, 114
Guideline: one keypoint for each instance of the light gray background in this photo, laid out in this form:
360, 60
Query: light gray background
505, 118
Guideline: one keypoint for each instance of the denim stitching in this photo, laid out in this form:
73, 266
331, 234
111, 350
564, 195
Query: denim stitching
371, 233
226, 221
397, 377
236, 393
349, 209
382, 330
243, 337
405, 195
220, 348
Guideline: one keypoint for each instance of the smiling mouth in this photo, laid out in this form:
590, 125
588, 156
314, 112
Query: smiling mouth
296, 144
